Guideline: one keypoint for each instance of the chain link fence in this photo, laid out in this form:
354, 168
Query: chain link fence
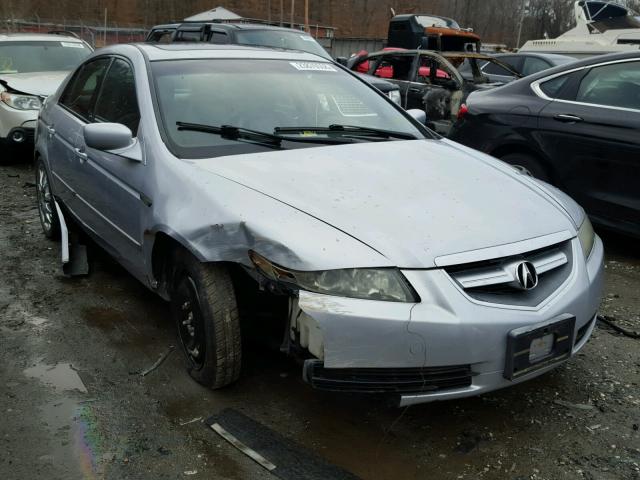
94, 35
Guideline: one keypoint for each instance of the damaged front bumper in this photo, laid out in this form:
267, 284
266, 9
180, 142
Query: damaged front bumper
447, 346
17, 127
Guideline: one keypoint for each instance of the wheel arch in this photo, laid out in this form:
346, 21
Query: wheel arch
162, 244
524, 148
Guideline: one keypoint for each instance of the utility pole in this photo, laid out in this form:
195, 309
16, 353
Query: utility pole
282, 13
269, 11
306, 16
293, 8
525, 7
104, 38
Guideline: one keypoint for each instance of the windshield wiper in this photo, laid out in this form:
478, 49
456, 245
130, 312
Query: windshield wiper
234, 133
347, 130
262, 138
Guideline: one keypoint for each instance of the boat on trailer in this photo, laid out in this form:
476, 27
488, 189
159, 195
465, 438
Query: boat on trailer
601, 27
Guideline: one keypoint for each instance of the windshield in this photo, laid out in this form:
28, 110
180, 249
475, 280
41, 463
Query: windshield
47, 56
429, 21
263, 95
601, 10
281, 39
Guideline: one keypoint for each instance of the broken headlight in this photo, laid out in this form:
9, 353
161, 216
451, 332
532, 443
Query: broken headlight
21, 102
587, 236
385, 284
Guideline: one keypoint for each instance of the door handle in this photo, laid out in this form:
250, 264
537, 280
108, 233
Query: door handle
81, 154
51, 130
567, 118
415, 90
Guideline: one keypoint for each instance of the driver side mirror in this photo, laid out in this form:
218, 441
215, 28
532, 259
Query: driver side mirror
418, 115
113, 138
107, 136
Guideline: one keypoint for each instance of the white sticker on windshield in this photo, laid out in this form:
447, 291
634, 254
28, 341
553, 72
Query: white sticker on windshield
72, 44
307, 38
313, 66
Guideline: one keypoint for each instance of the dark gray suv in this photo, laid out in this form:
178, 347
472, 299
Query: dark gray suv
254, 34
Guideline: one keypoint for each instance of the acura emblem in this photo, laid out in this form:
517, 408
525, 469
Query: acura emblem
526, 275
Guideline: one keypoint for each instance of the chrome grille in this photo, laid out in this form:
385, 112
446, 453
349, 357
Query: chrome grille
495, 281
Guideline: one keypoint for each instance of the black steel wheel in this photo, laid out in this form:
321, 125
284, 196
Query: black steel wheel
205, 310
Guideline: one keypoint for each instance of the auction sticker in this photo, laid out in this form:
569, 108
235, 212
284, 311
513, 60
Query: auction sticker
313, 67
72, 44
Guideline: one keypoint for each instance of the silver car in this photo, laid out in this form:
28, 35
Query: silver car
32, 67
252, 185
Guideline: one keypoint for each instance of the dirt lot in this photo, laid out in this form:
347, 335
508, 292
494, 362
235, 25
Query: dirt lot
74, 405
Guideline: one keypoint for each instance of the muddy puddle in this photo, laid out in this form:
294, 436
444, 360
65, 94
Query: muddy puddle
62, 376
131, 330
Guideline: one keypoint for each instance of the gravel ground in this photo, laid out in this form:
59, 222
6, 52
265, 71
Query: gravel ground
74, 405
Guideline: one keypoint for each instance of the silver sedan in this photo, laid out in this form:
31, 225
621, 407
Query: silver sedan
249, 185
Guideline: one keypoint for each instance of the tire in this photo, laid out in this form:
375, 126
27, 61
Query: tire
46, 205
205, 310
527, 164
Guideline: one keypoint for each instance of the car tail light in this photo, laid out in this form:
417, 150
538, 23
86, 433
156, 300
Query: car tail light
462, 112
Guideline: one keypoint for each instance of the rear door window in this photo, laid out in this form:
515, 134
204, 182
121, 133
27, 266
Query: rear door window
492, 68
562, 87
218, 37
615, 85
80, 93
162, 36
395, 67
118, 102
534, 65
188, 36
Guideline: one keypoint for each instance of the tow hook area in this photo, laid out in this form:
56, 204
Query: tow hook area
73, 254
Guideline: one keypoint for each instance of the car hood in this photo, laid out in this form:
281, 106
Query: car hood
42, 84
411, 201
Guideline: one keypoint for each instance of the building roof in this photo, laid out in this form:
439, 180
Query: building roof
218, 13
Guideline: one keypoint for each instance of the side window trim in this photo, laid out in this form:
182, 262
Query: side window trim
98, 87
133, 71
535, 86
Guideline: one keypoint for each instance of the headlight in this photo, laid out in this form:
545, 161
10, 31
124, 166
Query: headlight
386, 284
587, 236
21, 102
394, 95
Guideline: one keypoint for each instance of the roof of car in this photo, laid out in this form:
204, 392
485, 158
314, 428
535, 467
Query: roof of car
230, 26
523, 83
587, 61
178, 51
549, 56
446, 54
37, 37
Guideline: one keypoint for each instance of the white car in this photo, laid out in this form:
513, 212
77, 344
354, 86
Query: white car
389, 259
32, 67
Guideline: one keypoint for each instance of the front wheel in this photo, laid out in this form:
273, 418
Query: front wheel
205, 310
46, 205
